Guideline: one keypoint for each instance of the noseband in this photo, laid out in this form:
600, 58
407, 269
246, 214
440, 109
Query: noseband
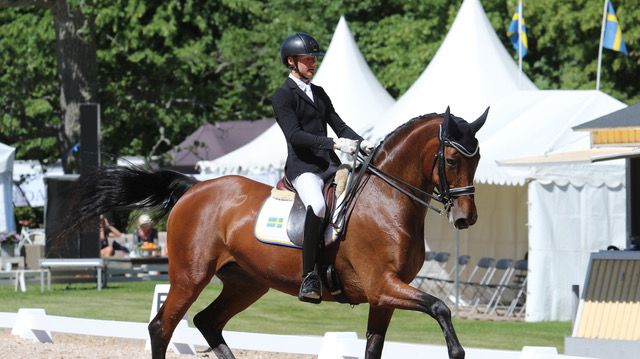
444, 194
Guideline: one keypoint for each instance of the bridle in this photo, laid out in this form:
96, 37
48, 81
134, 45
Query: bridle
444, 194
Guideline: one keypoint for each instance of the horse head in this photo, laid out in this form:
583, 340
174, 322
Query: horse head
455, 166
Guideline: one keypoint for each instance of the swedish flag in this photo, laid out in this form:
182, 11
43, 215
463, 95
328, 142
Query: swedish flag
518, 35
612, 33
275, 222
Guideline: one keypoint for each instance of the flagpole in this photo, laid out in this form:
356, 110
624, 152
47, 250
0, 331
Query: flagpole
604, 23
520, 42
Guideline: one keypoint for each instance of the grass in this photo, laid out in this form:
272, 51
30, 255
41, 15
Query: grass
279, 313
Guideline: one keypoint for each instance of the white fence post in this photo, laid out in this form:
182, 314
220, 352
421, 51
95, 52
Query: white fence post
159, 297
26, 320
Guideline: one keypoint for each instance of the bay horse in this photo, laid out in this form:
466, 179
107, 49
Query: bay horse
210, 232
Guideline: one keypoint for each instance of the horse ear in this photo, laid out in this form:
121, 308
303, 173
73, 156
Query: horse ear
477, 124
447, 120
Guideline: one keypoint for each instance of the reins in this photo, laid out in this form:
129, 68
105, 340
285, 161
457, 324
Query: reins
444, 194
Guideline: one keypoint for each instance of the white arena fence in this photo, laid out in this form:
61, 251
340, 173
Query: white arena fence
36, 325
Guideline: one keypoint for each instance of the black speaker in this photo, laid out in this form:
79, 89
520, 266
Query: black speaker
70, 245
89, 137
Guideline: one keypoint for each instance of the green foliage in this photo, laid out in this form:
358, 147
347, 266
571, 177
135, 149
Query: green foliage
29, 91
171, 66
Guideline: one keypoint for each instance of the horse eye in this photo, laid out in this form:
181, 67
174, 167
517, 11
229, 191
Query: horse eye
451, 162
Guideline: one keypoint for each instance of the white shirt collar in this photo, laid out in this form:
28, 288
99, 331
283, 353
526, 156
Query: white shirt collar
305, 87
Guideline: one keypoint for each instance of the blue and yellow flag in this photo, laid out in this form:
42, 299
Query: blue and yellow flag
518, 35
612, 33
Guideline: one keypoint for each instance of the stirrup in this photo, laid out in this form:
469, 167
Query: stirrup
311, 289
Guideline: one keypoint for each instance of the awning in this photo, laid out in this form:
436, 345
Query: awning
582, 156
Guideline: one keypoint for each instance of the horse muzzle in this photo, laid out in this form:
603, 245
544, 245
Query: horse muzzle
463, 213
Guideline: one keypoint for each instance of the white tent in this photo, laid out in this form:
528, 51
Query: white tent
7, 222
555, 216
470, 71
357, 97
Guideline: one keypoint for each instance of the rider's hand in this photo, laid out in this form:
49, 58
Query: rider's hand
366, 146
345, 145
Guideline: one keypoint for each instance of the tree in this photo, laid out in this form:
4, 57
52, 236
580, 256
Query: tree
76, 55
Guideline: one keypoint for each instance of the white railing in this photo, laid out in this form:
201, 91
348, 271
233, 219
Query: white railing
35, 324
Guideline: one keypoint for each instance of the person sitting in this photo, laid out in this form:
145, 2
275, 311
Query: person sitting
303, 111
145, 231
106, 231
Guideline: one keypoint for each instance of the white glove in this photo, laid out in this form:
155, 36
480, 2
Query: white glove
345, 145
366, 146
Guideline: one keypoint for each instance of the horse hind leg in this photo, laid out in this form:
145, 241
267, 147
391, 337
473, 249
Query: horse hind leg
239, 291
178, 301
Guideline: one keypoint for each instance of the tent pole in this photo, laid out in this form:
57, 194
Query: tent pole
457, 264
520, 43
604, 22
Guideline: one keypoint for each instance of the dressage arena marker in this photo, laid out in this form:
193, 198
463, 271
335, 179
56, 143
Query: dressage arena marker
159, 296
25, 322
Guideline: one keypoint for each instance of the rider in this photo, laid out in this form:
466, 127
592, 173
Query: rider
303, 111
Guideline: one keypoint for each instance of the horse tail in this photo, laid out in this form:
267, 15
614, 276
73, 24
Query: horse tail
109, 188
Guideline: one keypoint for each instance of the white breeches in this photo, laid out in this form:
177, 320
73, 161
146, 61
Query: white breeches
309, 186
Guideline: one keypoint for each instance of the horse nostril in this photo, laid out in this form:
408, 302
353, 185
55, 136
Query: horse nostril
461, 223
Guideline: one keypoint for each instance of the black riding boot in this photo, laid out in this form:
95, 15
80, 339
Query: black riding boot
311, 288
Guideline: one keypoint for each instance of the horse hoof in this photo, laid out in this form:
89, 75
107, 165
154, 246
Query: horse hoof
457, 354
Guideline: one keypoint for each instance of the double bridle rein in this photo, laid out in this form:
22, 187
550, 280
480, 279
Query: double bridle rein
444, 194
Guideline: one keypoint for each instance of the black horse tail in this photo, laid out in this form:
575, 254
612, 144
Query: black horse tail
109, 188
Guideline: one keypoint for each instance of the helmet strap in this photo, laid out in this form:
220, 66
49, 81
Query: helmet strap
295, 68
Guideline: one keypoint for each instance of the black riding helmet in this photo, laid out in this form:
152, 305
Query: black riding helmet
299, 44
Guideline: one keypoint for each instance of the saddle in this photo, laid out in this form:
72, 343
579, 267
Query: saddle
334, 217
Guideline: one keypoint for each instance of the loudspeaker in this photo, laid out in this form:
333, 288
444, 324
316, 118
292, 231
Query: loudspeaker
57, 211
89, 137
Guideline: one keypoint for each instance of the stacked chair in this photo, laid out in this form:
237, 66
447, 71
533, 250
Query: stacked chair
491, 289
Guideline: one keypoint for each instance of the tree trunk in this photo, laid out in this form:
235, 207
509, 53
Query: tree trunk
77, 70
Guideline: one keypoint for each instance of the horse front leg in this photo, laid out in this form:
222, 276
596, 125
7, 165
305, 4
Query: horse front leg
377, 325
394, 293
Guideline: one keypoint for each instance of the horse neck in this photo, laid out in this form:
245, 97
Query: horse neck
404, 155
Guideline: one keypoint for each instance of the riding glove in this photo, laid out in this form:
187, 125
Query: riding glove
366, 146
345, 145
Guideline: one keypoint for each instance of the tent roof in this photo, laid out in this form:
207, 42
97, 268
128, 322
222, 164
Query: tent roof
626, 117
533, 123
470, 71
211, 141
588, 155
345, 75
355, 93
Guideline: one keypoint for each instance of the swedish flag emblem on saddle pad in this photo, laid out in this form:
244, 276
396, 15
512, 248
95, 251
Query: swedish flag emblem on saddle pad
272, 220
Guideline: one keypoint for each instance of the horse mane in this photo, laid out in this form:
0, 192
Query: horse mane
410, 123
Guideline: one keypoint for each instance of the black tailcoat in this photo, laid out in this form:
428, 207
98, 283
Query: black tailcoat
304, 124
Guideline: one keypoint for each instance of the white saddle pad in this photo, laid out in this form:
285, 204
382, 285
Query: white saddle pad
273, 217
271, 224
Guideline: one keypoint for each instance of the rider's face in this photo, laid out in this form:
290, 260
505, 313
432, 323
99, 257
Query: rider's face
306, 65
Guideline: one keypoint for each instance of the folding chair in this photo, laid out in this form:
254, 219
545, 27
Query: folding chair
424, 271
504, 269
480, 275
446, 283
520, 286
440, 260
